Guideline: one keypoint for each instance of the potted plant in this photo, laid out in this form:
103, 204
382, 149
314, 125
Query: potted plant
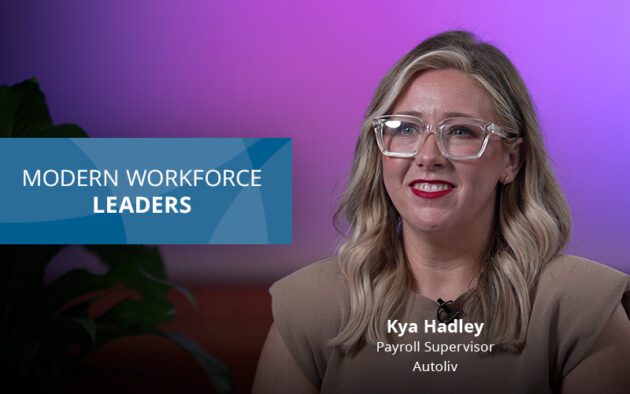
45, 330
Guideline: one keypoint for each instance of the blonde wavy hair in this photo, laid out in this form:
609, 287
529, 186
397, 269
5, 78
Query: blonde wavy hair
532, 220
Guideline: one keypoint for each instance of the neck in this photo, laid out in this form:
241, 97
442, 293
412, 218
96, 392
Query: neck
445, 265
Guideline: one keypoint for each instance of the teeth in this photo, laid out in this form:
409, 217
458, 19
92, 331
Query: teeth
431, 187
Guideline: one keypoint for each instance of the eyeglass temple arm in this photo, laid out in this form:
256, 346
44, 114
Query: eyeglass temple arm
500, 131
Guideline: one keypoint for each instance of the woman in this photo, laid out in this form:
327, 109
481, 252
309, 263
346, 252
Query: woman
451, 197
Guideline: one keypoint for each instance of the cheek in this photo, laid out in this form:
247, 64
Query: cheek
394, 171
483, 184
481, 179
394, 167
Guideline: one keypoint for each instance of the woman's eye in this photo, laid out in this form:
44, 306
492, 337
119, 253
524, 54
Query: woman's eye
461, 131
407, 129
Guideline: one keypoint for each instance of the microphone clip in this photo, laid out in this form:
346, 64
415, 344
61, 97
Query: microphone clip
445, 314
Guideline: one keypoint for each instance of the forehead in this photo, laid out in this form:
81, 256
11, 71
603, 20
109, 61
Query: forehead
436, 92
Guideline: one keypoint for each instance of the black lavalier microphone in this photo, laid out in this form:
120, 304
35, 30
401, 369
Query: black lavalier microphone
445, 313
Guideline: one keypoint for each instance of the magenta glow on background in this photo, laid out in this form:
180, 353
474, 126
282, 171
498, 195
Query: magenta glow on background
306, 70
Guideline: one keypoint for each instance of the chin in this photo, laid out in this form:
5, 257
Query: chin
428, 224
429, 227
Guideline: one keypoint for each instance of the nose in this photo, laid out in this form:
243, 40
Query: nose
429, 154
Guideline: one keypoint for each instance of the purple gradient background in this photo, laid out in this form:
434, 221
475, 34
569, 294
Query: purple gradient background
307, 71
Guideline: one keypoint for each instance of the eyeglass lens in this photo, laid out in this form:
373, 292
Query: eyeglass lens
459, 137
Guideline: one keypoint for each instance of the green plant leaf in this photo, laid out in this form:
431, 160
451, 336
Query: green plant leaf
131, 263
137, 267
146, 257
136, 314
75, 283
154, 308
66, 130
215, 369
24, 113
23, 109
89, 325
8, 109
181, 289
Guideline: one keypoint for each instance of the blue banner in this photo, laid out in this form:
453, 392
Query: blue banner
145, 191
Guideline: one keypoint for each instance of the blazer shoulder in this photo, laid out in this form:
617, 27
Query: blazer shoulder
321, 279
309, 307
580, 276
574, 299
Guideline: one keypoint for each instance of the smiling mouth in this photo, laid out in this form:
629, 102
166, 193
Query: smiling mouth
431, 189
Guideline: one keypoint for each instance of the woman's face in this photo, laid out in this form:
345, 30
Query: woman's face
470, 185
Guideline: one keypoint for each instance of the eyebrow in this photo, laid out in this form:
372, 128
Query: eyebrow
446, 114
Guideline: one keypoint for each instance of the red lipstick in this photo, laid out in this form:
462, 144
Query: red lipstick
431, 195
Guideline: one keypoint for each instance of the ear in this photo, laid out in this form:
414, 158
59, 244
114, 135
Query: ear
513, 161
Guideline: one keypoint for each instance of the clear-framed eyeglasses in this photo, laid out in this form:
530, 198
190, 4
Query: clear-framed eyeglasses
458, 138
